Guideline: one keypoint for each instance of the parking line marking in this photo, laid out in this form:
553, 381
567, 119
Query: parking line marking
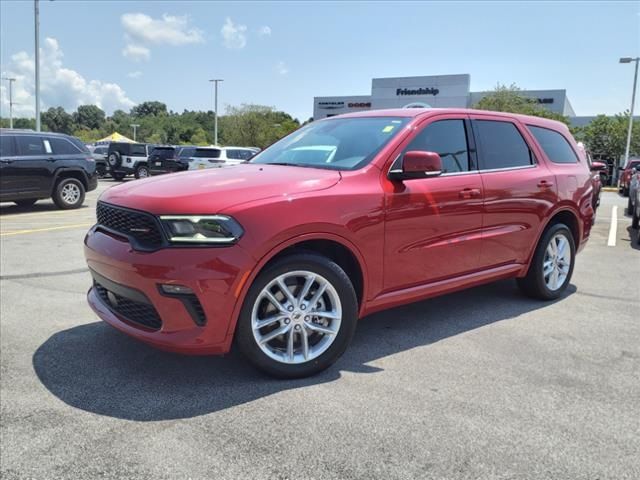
613, 228
69, 213
35, 230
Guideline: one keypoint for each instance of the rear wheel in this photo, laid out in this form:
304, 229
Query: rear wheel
142, 171
69, 193
298, 317
26, 202
552, 264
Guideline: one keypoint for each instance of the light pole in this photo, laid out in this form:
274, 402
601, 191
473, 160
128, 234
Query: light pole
135, 129
10, 80
215, 108
36, 10
633, 101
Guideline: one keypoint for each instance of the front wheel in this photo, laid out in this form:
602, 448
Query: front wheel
69, 194
552, 264
298, 317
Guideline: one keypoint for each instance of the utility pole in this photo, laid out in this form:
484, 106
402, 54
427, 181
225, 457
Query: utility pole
10, 80
135, 129
633, 101
36, 9
215, 108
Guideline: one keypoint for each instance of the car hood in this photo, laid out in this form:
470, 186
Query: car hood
216, 189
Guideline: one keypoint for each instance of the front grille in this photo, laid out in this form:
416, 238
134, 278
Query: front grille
143, 314
142, 227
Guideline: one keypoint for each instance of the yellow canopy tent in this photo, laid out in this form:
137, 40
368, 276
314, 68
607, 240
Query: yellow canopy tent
115, 137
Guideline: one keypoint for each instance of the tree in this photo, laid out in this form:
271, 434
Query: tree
255, 125
57, 120
199, 137
145, 109
89, 116
510, 99
606, 137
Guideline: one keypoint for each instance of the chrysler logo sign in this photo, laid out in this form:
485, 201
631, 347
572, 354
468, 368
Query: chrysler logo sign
330, 105
417, 91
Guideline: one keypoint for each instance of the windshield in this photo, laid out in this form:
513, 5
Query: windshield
338, 144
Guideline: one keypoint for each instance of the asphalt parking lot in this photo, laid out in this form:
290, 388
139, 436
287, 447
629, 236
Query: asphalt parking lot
479, 384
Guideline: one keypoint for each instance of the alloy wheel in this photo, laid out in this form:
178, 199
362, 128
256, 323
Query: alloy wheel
70, 193
296, 317
557, 262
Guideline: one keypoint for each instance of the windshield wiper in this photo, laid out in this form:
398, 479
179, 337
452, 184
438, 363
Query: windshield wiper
286, 164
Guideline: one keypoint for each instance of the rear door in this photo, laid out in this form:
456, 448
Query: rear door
519, 190
32, 169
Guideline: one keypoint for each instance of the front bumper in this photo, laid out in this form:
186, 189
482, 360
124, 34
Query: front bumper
214, 274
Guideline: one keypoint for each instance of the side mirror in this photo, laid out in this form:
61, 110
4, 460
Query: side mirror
418, 164
598, 166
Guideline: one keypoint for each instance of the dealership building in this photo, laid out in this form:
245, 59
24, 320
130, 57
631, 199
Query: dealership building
439, 91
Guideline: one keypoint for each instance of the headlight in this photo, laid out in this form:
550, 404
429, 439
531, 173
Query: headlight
201, 229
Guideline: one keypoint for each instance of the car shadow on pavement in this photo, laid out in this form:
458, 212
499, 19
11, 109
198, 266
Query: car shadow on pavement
95, 368
634, 237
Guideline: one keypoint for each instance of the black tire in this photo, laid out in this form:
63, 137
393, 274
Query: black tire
635, 221
343, 286
533, 284
26, 202
119, 176
142, 171
62, 196
629, 207
114, 159
625, 192
101, 170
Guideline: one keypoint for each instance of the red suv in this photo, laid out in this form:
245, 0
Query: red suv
342, 218
625, 175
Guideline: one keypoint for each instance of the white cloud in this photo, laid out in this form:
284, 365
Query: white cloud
282, 68
136, 74
264, 31
170, 30
233, 35
59, 86
137, 53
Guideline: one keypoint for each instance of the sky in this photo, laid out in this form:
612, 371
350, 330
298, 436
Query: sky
119, 53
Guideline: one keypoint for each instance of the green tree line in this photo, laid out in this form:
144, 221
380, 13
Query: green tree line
245, 125
605, 136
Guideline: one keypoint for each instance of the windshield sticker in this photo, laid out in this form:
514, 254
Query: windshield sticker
388, 128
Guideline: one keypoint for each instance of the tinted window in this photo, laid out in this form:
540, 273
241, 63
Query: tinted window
448, 139
30, 145
239, 154
100, 150
61, 146
138, 150
166, 152
554, 145
207, 153
7, 148
186, 152
501, 145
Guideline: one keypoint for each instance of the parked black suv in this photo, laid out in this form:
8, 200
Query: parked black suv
170, 159
127, 158
37, 165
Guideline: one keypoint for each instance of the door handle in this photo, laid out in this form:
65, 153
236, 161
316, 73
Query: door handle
545, 184
51, 159
469, 193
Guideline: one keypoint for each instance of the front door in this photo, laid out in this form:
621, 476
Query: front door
433, 225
